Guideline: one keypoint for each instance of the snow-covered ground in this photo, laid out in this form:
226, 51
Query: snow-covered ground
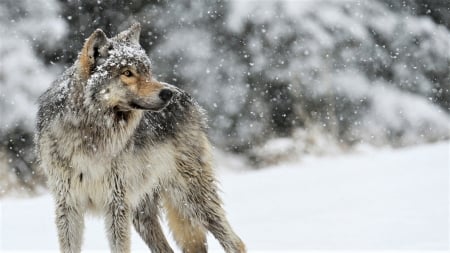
374, 199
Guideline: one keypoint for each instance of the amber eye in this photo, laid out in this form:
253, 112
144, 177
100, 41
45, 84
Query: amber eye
127, 73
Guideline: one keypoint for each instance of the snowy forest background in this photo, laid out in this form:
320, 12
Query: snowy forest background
278, 78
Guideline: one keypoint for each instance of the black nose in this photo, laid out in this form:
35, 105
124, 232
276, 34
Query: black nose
165, 95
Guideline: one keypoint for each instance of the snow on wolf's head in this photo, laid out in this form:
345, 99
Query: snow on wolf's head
117, 73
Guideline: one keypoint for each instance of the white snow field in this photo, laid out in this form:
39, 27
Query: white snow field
370, 200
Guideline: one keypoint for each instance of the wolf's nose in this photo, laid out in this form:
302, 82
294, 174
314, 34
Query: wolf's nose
165, 95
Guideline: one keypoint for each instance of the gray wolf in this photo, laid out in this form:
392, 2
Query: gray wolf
114, 141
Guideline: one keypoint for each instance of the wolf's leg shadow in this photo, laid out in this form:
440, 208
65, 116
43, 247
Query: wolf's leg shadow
146, 223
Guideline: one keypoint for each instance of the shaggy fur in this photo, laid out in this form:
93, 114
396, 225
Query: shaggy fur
114, 141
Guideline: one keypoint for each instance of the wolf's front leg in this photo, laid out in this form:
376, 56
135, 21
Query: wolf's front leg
118, 218
70, 225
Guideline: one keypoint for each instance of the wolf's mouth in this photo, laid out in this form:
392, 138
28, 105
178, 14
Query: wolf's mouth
138, 106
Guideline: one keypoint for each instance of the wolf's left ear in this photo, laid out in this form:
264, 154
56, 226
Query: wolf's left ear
132, 34
95, 50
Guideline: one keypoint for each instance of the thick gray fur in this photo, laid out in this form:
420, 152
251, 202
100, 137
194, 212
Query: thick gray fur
118, 150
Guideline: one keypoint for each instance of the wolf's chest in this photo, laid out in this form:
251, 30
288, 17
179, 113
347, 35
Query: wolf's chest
90, 166
141, 172
89, 183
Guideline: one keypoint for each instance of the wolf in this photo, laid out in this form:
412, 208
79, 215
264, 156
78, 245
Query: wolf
114, 141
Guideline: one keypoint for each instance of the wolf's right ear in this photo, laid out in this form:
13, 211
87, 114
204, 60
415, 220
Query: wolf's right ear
95, 49
131, 35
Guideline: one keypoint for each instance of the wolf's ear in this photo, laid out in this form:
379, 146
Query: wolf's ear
131, 34
95, 50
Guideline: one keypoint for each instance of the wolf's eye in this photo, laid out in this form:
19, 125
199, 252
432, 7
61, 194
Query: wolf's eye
127, 73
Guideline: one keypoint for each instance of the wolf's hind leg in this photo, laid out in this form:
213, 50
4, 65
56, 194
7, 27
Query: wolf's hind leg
205, 208
190, 237
217, 224
146, 223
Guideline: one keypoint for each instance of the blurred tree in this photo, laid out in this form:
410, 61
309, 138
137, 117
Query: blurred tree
157, 17
25, 25
437, 10
422, 47
112, 16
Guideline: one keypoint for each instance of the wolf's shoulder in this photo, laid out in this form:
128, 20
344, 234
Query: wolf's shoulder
53, 100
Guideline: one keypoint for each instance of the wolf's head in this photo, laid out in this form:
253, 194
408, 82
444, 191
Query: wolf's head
117, 73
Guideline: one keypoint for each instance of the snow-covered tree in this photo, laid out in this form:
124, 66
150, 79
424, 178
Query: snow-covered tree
357, 69
26, 26
437, 10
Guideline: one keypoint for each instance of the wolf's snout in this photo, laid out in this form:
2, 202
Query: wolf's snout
165, 95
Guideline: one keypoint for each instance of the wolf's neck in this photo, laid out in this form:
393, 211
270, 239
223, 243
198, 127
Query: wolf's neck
106, 132
109, 119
